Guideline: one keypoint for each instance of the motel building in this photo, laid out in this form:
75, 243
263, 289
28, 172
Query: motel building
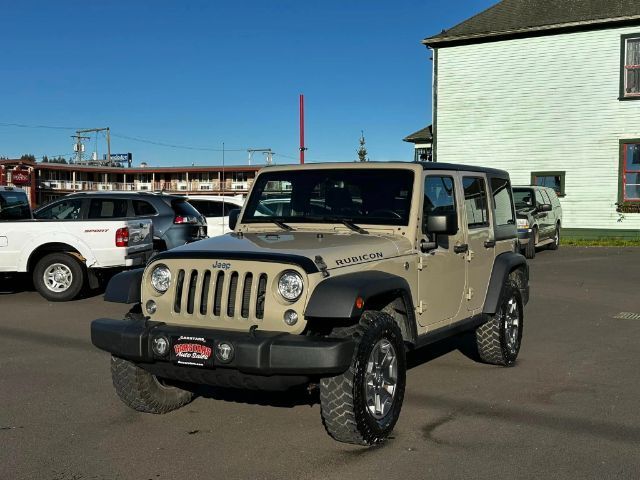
549, 91
45, 182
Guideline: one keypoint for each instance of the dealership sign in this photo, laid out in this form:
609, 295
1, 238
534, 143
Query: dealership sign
20, 177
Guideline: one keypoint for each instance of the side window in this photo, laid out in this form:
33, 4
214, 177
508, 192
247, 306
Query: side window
228, 207
502, 202
475, 201
439, 196
539, 199
143, 209
64, 210
107, 208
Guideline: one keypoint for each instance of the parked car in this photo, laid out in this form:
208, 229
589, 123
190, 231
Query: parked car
216, 210
14, 204
539, 217
65, 252
175, 221
406, 254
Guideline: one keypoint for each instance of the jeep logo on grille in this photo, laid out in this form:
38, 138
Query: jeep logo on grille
221, 265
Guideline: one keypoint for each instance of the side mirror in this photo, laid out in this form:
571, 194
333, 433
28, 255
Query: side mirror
545, 207
233, 218
442, 224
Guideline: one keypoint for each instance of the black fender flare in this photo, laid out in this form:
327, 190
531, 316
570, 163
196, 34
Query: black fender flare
335, 297
503, 265
125, 287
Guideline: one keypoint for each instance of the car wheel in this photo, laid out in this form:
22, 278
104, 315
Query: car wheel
499, 339
556, 239
362, 405
59, 277
144, 392
530, 248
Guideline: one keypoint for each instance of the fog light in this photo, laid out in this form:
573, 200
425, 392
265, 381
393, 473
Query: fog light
151, 307
290, 317
160, 346
224, 352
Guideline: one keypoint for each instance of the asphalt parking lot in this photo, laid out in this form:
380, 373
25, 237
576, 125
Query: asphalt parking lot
569, 409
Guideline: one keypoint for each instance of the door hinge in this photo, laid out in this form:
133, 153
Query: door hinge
421, 263
421, 307
470, 293
470, 255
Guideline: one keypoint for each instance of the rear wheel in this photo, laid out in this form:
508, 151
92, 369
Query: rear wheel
143, 391
499, 339
556, 239
362, 405
59, 277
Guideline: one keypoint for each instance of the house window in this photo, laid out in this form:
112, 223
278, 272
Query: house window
553, 180
630, 172
630, 75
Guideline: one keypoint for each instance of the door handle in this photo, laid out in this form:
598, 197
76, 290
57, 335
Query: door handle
461, 248
489, 244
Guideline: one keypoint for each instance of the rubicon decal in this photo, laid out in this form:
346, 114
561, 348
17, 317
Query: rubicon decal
365, 257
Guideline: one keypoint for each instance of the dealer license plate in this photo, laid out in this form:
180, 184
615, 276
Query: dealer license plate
192, 351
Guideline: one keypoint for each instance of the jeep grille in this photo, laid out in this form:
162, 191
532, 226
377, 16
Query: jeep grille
218, 293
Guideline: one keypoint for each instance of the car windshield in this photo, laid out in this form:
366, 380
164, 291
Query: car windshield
523, 198
374, 196
14, 206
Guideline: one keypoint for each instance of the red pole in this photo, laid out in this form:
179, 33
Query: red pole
302, 149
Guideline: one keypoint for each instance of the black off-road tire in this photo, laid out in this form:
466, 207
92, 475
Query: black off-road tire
343, 398
556, 239
72, 264
491, 337
142, 391
530, 248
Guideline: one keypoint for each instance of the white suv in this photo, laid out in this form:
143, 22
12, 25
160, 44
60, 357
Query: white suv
216, 209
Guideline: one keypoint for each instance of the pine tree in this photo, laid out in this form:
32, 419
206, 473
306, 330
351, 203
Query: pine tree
362, 151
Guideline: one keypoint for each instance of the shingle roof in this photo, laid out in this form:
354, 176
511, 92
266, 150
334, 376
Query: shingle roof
525, 17
424, 135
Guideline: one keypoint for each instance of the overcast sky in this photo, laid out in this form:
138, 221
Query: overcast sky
199, 73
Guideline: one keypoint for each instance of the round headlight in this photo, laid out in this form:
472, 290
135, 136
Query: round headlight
161, 278
290, 285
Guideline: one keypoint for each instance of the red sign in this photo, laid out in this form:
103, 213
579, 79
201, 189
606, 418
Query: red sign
20, 177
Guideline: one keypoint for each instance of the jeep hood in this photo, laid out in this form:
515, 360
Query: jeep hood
336, 249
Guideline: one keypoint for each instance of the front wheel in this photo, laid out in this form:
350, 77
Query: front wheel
499, 339
59, 277
143, 391
362, 405
530, 248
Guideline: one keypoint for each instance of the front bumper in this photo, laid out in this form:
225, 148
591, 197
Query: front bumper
524, 235
259, 353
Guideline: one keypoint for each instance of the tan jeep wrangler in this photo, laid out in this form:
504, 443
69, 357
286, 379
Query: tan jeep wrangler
333, 272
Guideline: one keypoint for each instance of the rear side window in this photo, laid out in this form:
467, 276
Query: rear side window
14, 206
63, 210
184, 209
475, 200
107, 208
502, 202
143, 209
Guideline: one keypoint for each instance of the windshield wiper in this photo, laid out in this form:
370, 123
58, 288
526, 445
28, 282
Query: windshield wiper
346, 222
282, 225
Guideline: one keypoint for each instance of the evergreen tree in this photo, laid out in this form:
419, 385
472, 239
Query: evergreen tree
362, 151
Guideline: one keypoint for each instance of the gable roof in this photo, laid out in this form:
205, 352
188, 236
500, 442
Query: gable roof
423, 135
518, 18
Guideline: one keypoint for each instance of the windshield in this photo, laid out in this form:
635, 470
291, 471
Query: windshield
523, 198
14, 206
374, 196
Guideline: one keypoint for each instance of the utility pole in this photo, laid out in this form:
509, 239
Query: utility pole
89, 130
265, 151
302, 147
